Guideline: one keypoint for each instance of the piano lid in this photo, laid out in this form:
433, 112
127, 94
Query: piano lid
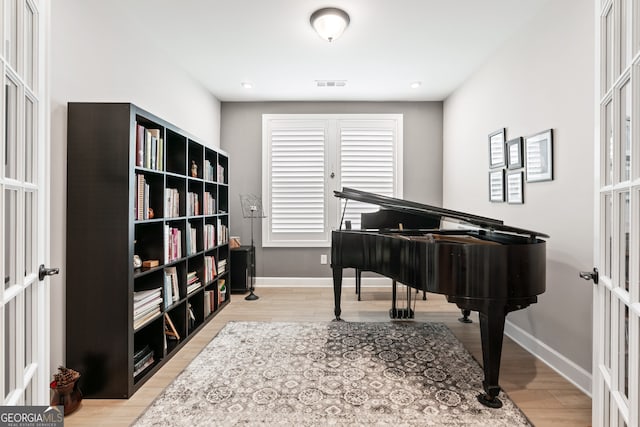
401, 205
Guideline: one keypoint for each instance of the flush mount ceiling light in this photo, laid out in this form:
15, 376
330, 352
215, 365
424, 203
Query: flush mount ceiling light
329, 22
416, 85
247, 85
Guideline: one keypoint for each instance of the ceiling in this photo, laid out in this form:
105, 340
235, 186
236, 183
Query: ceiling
388, 45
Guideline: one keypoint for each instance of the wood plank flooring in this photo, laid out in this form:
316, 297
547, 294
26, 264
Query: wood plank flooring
545, 397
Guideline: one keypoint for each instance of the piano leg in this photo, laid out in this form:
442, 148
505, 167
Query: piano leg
491, 332
358, 282
337, 291
465, 316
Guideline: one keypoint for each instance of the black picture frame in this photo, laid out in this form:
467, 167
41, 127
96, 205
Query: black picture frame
496, 148
514, 153
539, 156
514, 187
496, 186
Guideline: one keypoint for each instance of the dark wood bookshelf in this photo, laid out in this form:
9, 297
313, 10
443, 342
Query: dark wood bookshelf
105, 341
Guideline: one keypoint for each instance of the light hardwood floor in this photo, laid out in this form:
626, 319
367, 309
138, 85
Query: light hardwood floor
544, 396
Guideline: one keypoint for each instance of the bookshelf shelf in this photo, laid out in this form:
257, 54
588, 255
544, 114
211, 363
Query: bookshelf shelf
131, 192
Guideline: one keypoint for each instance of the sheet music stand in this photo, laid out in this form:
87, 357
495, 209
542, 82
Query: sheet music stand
252, 208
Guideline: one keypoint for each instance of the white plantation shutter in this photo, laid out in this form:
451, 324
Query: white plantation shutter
297, 180
306, 157
367, 159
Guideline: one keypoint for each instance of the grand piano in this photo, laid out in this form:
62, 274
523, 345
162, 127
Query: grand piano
478, 263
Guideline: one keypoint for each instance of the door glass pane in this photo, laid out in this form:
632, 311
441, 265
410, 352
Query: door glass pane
28, 326
11, 141
608, 144
608, 49
10, 237
29, 35
623, 347
608, 234
625, 33
623, 269
11, 41
9, 347
29, 233
607, 330
29, 141
625, 132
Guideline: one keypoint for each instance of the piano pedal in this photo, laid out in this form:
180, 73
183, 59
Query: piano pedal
401, 313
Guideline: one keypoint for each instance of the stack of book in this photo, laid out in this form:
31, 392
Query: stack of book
146, 304
193, 283
222, 266
142, 359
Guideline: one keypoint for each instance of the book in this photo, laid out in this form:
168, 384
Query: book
170, 329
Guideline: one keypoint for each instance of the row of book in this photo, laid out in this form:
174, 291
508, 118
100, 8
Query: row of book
210, 268
192, 236
209, 205
146, 304
209, 236
142, 198
149, 148
171, 286
223, 232
209, 302
193, 204
172, 203
172, 243
193, 282
211, 173
142, 359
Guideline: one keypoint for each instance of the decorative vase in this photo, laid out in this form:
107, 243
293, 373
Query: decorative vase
68, 395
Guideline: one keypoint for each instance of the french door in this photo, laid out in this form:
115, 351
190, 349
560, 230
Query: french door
616, 301
24, 298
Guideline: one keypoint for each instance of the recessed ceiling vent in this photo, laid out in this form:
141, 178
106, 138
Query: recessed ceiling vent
331, 83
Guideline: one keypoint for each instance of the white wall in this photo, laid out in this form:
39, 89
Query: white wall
543, 78
93, 61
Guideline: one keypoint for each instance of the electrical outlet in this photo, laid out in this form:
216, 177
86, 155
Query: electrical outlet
323, 259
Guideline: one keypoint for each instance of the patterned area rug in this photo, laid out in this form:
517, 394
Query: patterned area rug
330, 374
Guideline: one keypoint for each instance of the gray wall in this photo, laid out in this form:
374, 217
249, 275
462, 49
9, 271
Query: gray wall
543, 78
241, 137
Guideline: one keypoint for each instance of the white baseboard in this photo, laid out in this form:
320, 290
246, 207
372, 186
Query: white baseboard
565, 367
556, 361
318, 282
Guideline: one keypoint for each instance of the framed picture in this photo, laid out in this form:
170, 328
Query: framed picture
496, 186
539, 156
496, 148
514, 153
514, 188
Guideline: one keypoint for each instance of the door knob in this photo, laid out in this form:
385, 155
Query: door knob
590, 275
43, 271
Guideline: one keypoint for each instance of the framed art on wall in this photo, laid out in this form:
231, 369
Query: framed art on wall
496, 148
514, 188
539, 156
496, 186
514, 153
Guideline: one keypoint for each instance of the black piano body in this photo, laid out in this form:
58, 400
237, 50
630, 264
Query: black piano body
485, 267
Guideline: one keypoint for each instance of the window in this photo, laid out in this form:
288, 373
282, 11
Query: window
306, 157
